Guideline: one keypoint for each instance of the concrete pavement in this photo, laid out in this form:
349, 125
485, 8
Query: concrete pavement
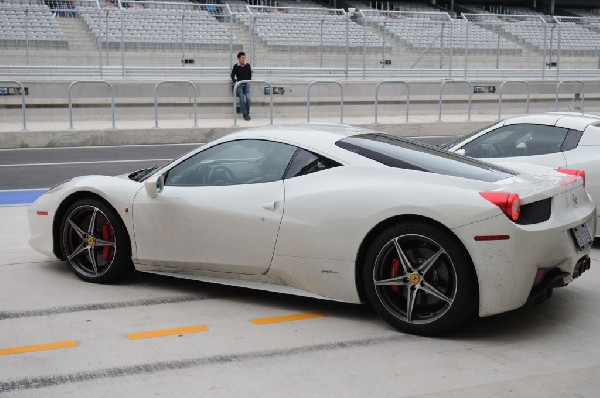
548, 350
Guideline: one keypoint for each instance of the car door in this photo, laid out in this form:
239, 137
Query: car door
219, 211
524, 143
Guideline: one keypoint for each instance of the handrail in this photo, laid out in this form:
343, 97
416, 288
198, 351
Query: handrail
501, 89
112, 98
390, 82
235, 86
441, 90
325, 82
571, 81
23, 105
174, 82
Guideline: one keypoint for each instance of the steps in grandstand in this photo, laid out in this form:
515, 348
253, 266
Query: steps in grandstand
74, 29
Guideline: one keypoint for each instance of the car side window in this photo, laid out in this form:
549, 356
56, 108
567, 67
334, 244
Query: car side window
572, 140
517, 140
305, 162
233, 163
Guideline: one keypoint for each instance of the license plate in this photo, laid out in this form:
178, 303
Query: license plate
583, 239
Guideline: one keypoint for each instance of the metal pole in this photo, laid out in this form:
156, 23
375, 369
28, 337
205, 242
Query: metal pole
322, 22
558, 45
27, 35
451, 47
122, 45
252, 41
347, 47
498, 52
230, 48
112, 101
365, 47
383, 45
182, 39
195, 107
311, 84
389, 82
545, 50
466, 48
99, 43
106, 39
442, 45
23, 105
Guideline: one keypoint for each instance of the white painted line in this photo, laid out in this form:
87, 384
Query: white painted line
75, 163
104, 146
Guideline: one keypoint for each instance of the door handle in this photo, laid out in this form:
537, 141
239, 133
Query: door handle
270, 205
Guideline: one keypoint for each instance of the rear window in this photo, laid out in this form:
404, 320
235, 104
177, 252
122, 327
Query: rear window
404, 154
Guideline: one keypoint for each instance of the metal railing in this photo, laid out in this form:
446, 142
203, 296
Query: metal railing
392, 82
194, 107
23, 105
311, 84
468, 83
236, 85
501, 90
580, 82
112, 98
524, 96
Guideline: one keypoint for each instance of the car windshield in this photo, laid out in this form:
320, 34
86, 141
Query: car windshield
457, 140
405, 154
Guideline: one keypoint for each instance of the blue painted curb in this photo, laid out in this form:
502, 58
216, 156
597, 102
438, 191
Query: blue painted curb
20, 197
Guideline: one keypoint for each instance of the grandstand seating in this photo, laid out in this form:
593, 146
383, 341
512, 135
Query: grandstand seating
149, 28
32, 24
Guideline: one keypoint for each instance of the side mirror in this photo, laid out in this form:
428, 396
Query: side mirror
154, 185
461, 151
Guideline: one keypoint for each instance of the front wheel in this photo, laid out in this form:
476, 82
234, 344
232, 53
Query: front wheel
94, 241
419, 279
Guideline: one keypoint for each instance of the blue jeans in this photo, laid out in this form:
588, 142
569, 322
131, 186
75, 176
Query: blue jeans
243, 93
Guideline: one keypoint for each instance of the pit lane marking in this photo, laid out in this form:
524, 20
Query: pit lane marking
37, 382
38, 347
167, 332
287, 318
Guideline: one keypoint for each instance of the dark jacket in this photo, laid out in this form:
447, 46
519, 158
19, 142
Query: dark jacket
241, 72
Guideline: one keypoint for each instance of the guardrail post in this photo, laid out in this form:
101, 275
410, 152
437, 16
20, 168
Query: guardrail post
455, 81
112, 98
581, 82
390, 82
311, 84
502, 89
175, 82
23, 105
236, 85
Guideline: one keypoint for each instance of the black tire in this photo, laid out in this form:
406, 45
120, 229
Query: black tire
443, 291
97, 252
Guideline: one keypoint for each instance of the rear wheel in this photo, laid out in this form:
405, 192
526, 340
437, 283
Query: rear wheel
95, 242
419, 279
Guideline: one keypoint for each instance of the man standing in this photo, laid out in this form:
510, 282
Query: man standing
242, 71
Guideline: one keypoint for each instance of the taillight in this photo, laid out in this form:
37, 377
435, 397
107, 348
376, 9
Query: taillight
509, 203
573, 172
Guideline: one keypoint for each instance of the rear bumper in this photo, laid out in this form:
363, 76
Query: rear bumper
506, 269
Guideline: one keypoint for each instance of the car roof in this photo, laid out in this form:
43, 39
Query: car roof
306, 134
571, 120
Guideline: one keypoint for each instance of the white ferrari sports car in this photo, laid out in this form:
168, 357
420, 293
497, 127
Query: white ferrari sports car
427, 237
565, 140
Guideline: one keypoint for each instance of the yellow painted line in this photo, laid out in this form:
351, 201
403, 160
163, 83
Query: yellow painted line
287, 318
38, 347
167, 332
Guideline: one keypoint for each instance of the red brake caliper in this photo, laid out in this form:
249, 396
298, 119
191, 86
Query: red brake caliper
107, 235
395, 272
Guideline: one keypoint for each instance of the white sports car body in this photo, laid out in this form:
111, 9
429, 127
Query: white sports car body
558, 140
425, 236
